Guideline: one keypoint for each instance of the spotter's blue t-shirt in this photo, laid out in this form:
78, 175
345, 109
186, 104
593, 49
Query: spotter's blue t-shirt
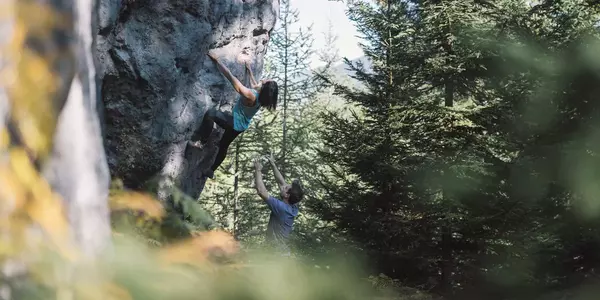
281, 222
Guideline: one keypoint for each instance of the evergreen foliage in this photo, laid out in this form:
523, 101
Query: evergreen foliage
453, 175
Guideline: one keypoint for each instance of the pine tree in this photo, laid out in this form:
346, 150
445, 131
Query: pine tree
409, 158
289, 60
329, 54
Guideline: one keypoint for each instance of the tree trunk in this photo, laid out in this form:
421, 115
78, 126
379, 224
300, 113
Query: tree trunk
78, 169
236, 189
286, 61
76, 166
447, 243
63, 139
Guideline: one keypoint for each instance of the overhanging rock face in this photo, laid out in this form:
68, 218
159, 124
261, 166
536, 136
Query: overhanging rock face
157, 81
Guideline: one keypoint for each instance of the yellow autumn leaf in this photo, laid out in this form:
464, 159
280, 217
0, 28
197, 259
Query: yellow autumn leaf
4, 137
136, 201
13, 228
43, 206
197, 250
46, 208
12, 193
33, 110
21, 167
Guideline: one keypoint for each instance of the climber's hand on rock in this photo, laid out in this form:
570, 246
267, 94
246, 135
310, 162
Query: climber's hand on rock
212, 55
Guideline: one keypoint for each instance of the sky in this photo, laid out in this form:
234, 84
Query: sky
319, 12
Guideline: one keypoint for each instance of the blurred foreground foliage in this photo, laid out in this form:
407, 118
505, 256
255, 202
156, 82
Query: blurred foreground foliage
144, 263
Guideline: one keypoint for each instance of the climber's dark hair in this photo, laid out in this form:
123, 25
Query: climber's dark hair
268, 95
296, 192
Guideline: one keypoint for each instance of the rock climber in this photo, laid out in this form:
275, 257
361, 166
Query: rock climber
283, 211
249, 101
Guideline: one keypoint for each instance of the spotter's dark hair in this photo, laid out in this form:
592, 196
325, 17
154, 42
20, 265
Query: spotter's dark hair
296, 192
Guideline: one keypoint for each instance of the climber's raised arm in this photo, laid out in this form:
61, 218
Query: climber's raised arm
258, 181
278, 177
252, 80
249, 97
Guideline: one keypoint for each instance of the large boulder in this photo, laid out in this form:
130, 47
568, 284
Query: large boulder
157, 81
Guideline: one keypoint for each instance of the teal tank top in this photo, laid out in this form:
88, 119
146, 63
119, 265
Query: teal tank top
242, 114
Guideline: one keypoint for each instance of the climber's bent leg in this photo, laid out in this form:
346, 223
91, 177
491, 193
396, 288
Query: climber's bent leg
228, 137
224, 120
211, 117
204, 130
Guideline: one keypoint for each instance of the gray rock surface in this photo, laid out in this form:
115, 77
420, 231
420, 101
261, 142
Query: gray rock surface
157, 81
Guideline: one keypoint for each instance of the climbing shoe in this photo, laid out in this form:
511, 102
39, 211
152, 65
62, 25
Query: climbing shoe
210, 174
196, 144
